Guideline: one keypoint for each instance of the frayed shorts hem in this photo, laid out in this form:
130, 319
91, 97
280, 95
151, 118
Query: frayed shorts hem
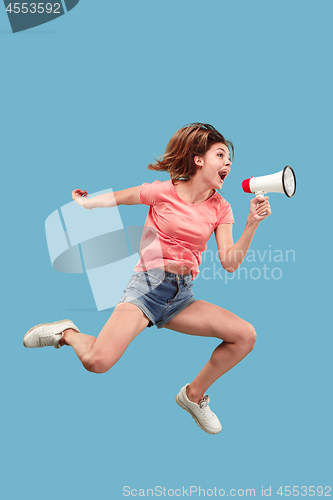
164, 321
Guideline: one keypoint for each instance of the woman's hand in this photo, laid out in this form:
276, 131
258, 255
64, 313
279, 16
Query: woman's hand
259, 209
79, 196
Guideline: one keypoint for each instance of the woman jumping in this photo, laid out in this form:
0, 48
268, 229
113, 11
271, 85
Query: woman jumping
183, 214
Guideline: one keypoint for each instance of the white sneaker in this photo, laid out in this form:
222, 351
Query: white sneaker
47, 334
201, 412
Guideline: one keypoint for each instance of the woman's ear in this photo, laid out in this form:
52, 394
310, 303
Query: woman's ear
198, 161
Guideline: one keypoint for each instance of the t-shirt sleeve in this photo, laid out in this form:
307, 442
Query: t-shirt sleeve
149, 193
225, 215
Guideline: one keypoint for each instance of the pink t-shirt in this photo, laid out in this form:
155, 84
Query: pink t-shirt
176, 232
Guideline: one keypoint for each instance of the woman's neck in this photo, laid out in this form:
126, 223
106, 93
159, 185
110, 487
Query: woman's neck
191, 192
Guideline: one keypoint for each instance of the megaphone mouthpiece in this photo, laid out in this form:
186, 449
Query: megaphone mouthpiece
246, 185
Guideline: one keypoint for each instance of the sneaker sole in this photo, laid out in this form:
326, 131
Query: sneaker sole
193, 416
47, 324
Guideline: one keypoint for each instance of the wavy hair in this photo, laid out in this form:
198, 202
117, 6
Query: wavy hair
188, 142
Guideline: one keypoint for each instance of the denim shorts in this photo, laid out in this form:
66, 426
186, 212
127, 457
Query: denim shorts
160, 295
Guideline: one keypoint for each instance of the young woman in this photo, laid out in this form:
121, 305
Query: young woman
183, 214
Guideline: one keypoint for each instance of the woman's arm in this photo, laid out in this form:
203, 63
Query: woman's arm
232, 254
128, 196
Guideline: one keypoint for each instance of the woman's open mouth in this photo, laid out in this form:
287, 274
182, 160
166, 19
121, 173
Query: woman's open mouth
222, 174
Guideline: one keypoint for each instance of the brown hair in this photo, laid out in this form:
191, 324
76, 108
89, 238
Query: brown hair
188, 142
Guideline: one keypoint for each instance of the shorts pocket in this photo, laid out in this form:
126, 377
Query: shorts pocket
148, 278
129, 284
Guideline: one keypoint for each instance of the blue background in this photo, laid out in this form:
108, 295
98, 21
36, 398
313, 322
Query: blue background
87, 101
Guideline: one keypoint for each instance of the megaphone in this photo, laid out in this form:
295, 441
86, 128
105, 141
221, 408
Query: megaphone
281, 182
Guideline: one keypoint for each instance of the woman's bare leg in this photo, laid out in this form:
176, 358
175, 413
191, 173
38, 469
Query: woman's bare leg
205, 319
99, 354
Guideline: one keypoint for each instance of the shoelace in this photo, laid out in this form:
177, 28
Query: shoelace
205, 410
44, 340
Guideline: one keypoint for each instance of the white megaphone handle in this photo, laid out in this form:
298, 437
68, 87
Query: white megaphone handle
260, 194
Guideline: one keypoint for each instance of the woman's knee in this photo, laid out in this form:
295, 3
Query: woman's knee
249, 336
245, 336
95, 363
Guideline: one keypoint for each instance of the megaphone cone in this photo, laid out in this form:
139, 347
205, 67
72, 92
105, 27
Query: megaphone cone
281, 182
